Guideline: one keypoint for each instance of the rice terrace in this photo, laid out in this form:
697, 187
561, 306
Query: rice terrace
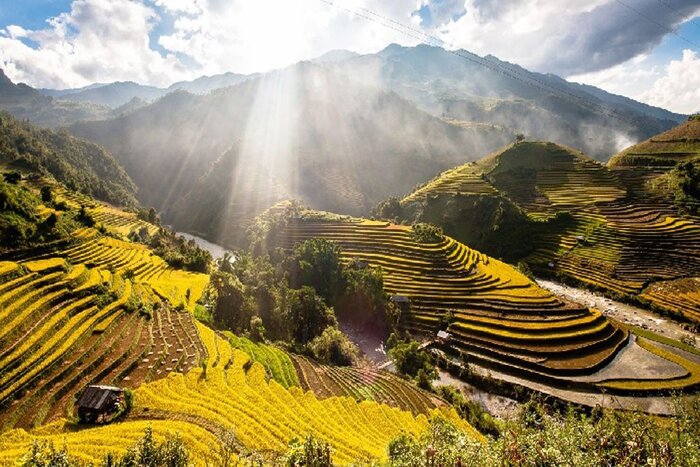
320, 233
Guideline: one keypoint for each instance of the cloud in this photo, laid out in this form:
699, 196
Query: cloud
98, 40
162, 41
679, 88
565, 37
248, 36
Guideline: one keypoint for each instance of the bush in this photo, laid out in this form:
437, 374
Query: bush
426, 233
412, 361
334, 348
309, 453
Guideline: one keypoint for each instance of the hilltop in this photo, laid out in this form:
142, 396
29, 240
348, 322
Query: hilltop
563, 213
665, 150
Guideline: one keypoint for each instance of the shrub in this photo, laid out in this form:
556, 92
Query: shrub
412, 361
257, 330
309, 453
334, 348
426, 233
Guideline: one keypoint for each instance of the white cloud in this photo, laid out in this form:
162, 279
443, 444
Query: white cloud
248, 36
679, 88
598, 41
98, 40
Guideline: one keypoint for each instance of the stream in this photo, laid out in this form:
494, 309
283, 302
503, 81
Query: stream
217, 251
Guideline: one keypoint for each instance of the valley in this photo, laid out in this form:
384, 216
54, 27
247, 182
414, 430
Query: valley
413, 255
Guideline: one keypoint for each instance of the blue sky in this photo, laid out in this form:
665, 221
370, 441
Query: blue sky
71, 43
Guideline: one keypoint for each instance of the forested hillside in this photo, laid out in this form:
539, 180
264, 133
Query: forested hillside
81, 165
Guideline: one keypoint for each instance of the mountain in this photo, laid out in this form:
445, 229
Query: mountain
119, 94
564, 214
328, 140
335, 56
81, 165
25, 102
113, 94
207, 84
465, 86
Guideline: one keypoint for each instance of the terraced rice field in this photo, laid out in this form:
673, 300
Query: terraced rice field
63, 327
363, 384
277, 363
234, 395
621, 237
91, 445
265, 415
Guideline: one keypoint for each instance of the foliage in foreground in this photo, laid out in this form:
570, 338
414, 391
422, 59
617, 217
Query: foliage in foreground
146, 452
533, 438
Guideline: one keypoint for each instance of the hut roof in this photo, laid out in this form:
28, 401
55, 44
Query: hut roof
96, 396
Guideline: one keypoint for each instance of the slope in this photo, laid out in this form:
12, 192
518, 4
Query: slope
576, 218
326, 139
465, 86
81, 165
24, 102
498, 319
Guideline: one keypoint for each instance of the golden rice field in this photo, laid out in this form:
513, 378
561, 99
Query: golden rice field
363, 384
621, 238
266, 416
63, 326
203, 404
497, 316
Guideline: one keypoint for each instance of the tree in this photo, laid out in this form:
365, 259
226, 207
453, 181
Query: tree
229, 310
364, 301
334, 348
316, 263
308, 315
46, 194
520, 137
390, 209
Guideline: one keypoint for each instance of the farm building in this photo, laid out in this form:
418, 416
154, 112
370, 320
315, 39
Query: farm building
100, 404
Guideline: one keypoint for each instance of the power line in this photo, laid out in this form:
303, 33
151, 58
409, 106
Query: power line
681, 15
653, 21
530, 80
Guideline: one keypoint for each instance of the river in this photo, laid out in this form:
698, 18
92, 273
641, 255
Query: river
217, 251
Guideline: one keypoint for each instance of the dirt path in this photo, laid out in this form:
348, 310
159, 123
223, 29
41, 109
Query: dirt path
619, 311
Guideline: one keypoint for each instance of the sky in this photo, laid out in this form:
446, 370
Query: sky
648, 50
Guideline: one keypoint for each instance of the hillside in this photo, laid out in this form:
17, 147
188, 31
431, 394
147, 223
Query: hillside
498, 319
327, 140
570, 216
679, 144
81, 165
24, 102
468, 87
94, 307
